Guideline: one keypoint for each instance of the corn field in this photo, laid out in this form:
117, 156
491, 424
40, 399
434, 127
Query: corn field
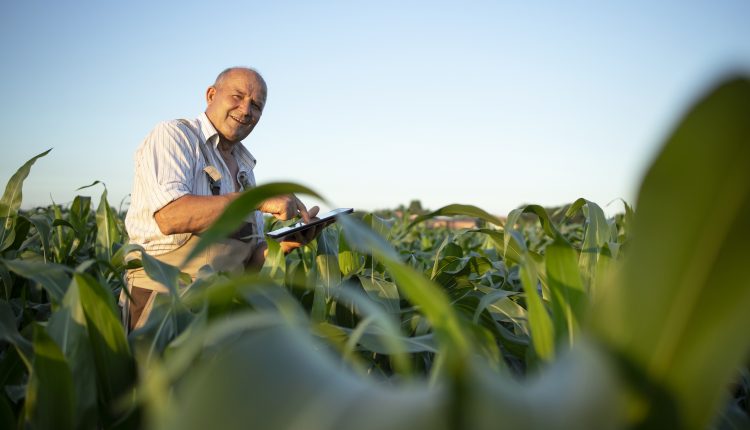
566, 320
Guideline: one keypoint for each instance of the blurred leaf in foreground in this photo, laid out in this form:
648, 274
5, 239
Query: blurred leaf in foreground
681, 308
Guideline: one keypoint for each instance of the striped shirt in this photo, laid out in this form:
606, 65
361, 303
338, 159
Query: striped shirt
169, 165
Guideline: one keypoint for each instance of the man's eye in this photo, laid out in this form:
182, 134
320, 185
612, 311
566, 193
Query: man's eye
237, 97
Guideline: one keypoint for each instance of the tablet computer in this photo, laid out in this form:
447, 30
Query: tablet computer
325, 219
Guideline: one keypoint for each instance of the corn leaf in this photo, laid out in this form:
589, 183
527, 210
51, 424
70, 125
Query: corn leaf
67, 327
569, 301
596, 235
382, 292
293, 372
49, 393
43, 226
422, 292
107, 231
112, 359
578, 391
55, 278
240, 208
688, 257
9, 333
540, 323
274, 266
11, 201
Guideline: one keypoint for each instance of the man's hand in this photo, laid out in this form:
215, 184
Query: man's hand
296, 240
287, 207
289, 244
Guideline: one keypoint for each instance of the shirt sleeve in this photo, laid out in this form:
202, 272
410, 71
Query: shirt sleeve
167, 161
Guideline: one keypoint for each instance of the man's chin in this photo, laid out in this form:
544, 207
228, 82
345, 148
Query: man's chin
236, 136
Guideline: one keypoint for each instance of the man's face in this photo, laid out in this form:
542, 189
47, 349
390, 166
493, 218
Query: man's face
236, 103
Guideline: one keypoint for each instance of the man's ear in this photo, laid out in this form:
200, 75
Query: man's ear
210, 93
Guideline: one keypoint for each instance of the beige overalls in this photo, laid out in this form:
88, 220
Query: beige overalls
229, 255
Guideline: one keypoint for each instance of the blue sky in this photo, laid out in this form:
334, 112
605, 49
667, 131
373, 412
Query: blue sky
373, 104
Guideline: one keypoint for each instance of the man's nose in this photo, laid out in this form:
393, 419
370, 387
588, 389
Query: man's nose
245, 109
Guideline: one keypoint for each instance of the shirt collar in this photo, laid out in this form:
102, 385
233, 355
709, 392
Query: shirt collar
211, 136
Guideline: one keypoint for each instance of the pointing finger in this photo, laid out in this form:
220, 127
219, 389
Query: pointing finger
302, 210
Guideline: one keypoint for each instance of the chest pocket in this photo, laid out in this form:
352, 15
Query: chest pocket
212, 173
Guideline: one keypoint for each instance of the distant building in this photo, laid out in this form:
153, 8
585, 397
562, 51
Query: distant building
453, 223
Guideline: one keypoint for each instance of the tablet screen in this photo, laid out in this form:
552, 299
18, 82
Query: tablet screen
326, 218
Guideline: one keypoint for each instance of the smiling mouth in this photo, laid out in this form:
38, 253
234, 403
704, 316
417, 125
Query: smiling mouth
240, 120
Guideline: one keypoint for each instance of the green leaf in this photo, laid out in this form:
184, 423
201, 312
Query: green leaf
544, 219
20, 234
364, 240
43, 226
7, 417
318, 312
421, 291
274, 266
67, 326
327, 262
372, 340
162, 273
107, 231
80, 210
578, 391
679, 312
9, 333
329, 275
49, 394
223, 391
11, 200
167, 320
436, 267
115, 369
489, 300
380, 225
596, 234
569, 301
350, 262
7, 280
55, 278
118, 258
240, 208
514, 244
379, 332
540, 323
91, 185
382, 292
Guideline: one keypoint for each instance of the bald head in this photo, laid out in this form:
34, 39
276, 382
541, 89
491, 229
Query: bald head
231, 71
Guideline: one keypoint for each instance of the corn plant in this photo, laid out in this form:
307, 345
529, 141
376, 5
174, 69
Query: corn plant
546, 319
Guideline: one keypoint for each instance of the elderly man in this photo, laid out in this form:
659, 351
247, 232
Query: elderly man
186, 173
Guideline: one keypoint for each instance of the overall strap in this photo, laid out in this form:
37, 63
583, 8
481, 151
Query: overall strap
212, 174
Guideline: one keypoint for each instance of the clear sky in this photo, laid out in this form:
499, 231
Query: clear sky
372, 103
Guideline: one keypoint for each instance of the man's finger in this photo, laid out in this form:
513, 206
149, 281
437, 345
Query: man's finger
313, 211
302, 210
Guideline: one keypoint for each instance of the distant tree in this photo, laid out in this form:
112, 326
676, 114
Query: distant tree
415, 207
